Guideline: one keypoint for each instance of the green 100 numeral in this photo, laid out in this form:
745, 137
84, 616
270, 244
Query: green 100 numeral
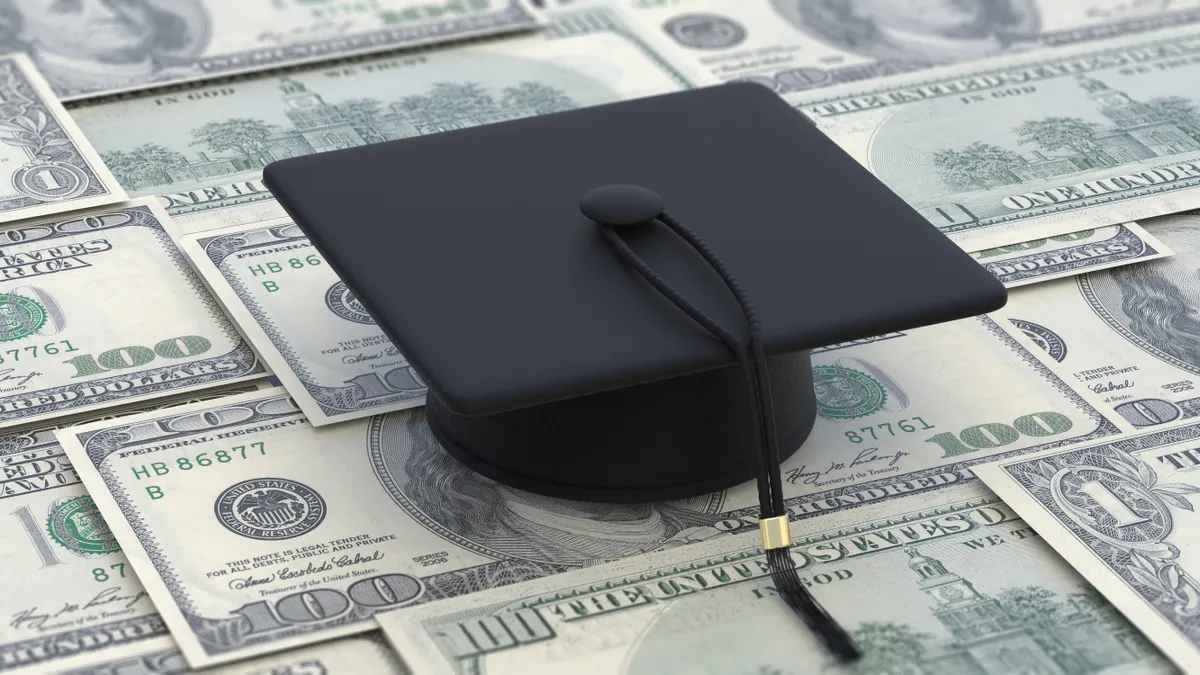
996, 434
395, 381
136, 355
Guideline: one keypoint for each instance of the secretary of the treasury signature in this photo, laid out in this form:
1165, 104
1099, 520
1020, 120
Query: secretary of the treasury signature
868, 457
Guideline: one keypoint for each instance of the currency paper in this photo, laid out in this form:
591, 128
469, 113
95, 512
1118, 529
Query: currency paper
793, 46
255, 532
202, 150
948, 587
1126, 334
366, 654
99, 308
1009, 149
46, 164
91, 48
337, 364
77, 603
1066, 255
1123, 513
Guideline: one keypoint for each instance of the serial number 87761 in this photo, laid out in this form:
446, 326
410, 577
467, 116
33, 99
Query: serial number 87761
203, 459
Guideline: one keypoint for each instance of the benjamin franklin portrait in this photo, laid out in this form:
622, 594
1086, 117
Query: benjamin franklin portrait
86, 45
465, 507
922, 31
1158, 302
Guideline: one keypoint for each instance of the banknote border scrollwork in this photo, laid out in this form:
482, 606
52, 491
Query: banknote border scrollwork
144, 627
209, 198
514, 16
1137, 248
221, 636
1044, 69
247, 363
98, 445
1134, 26
217, 249
14, 85
1029, 475
510, 18
699, 564
957, 473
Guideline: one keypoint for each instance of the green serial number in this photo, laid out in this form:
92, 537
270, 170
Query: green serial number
34, 351
203, 459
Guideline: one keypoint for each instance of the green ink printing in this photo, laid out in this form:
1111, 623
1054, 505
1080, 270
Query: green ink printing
76, 525
844, 393
20, 317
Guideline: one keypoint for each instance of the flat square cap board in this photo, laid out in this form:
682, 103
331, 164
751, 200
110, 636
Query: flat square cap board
470, 250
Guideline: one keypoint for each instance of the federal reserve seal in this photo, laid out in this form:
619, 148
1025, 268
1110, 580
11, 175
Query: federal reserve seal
341, 301
844, 393
1048, 340
705, 31
76, 524
20, 316
270, 508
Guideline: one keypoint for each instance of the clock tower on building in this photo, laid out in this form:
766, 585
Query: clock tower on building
967, 613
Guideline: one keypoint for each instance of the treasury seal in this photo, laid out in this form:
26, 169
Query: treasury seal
20, 316
270, 508
844, 393
341, 301
75, 523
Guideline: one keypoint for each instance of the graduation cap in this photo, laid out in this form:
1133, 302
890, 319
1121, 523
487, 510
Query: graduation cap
616, 303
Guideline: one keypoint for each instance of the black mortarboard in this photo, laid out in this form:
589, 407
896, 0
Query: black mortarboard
555, 358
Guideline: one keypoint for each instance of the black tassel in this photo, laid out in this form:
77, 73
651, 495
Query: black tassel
788, 585
751, 356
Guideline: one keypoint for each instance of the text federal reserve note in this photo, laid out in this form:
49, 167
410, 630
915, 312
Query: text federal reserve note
99, 308
1123, 513
951, 587
89, 47
202, 149
366, 654
46, 164
1128, 334
307, 325
1067, 255
255, 532
1010, 149
793, 46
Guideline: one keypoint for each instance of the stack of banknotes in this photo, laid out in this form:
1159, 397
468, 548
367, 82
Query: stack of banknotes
213, 459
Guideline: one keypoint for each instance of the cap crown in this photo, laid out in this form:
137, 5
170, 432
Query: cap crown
470, 250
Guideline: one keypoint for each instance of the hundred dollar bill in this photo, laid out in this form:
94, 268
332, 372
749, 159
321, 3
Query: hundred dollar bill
203, 148
1127, 334
46, 164
255, 532
77, 601
1067, 255
793, 46
308, 326
98, 308
949, 587
1010, 149
357, 655
92, 47
1123, 513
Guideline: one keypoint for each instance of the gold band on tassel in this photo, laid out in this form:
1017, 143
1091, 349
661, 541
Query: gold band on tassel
775, 532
